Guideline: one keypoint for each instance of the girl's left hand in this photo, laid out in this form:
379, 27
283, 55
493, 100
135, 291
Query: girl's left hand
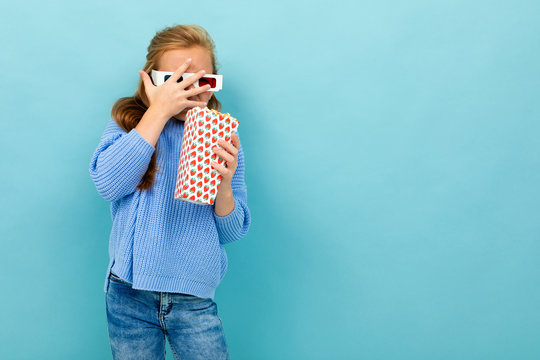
229, 153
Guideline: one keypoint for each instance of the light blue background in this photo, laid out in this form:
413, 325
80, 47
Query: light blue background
392, 154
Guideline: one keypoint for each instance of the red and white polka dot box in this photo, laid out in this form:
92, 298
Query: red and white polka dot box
197, 181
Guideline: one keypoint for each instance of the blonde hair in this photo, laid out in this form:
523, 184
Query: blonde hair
128, 111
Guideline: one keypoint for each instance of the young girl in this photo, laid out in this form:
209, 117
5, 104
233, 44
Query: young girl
167, 256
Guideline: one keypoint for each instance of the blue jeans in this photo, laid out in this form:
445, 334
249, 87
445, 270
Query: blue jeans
138, 322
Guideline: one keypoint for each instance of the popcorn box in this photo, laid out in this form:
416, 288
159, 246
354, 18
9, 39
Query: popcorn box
197, 181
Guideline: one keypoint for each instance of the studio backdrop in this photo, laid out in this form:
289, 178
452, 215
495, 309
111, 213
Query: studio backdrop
391, 162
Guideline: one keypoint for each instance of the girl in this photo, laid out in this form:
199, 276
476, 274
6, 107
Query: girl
167, 256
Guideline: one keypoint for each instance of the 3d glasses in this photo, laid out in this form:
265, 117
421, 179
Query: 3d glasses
215, 81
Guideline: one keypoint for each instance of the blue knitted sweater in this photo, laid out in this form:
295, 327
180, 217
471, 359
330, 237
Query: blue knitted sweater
157, 242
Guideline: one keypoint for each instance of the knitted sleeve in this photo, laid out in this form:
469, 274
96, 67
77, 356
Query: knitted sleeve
119, 162
235, 225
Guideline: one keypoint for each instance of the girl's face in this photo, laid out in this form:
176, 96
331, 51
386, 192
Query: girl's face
200, 60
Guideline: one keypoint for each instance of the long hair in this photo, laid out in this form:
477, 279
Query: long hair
128, 111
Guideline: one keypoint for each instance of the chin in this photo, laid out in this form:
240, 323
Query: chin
181, 116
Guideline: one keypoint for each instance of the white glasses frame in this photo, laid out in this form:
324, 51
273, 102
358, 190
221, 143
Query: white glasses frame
159, 77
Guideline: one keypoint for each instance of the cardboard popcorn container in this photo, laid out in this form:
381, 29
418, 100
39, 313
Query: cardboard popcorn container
197, 181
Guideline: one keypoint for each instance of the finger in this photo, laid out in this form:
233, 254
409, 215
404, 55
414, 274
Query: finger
178, 72
196, 91
235, 139
195, 103
235, 146
228, 146
222, 169
146, 79
191, 79
224, 155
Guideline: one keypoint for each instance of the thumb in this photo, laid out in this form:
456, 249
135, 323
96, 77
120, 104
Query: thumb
146, 79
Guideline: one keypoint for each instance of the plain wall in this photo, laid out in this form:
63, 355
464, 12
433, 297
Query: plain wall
392, 160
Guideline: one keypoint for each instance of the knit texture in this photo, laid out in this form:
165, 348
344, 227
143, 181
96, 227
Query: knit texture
159, 243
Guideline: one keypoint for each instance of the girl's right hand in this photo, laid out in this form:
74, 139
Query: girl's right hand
170, 97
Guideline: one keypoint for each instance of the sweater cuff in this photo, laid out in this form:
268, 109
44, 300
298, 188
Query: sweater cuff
229, 226
119, 163
141, 142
